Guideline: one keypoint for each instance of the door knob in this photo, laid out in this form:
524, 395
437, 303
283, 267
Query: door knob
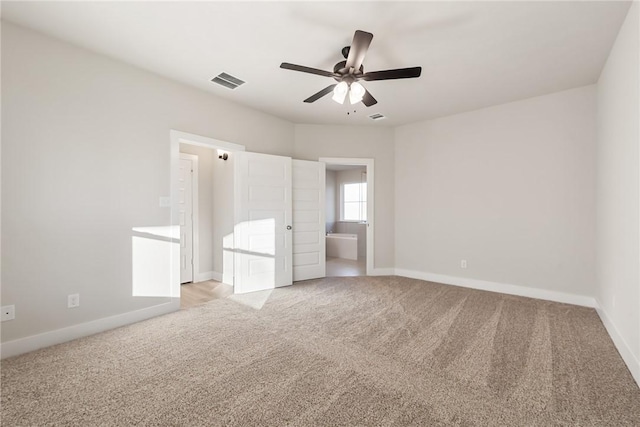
288, 227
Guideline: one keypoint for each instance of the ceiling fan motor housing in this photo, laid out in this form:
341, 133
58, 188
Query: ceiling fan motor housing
341, 69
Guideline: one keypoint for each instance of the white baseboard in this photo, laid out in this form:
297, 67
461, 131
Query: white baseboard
46, 339
382, 272
623, 348
504, 288
203, 277
216, 276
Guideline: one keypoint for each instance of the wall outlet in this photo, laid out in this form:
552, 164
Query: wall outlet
463, 263
73, 301
8, 312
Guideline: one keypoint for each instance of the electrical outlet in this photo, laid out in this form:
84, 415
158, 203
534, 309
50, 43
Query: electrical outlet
463, 263
73, 300
8, 312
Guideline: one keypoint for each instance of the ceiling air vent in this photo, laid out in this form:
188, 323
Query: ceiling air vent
227, 80
377, 116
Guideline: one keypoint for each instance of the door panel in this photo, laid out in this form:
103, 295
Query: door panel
308, 219
185, 215
262, 242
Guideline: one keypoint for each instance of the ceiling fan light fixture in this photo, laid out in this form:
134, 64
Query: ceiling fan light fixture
340, 92
348, 72
356, 93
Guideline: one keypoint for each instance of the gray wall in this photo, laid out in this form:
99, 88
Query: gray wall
223, 219
85, 158
331, 201
510, 189
618, 189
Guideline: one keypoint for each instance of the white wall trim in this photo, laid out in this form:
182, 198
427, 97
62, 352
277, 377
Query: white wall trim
503, 288
627, 355
216, 276
383, 272
368, 163
58, 336
203, 277
178, 137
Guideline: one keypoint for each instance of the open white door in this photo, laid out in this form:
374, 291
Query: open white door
309, 188
262, 231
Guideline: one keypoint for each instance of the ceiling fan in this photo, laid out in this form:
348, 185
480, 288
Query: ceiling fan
347, 73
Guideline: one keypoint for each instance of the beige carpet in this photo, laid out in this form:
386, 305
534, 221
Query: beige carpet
340, 351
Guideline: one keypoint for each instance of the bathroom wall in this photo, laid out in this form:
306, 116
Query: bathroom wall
331, 204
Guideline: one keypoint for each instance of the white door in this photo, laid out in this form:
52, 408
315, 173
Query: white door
262, 230
185, 212
309, 188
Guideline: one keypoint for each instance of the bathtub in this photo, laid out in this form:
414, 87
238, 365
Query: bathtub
342, 245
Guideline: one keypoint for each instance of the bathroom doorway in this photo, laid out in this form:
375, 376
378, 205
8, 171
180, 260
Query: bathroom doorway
349, 217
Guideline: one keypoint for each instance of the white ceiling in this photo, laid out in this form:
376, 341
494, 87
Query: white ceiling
473, 54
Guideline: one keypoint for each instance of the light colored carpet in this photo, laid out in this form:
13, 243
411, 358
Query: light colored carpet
339, 351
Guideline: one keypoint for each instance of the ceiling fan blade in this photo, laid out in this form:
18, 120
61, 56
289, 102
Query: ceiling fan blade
400, 73
368, 99
323, 92
304, 69
358, 49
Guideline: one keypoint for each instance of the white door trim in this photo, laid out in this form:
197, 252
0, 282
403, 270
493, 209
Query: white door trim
195, 239
370, 201
176, 138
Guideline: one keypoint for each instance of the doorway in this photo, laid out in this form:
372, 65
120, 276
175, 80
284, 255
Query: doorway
349, 216
211, 203
273, 233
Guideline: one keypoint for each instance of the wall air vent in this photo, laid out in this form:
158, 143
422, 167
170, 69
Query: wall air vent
227, 80
377, 116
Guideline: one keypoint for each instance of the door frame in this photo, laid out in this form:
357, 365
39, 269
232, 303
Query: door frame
176, 138
369, 164
195, 227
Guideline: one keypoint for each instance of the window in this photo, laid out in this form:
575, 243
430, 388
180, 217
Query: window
354, 201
